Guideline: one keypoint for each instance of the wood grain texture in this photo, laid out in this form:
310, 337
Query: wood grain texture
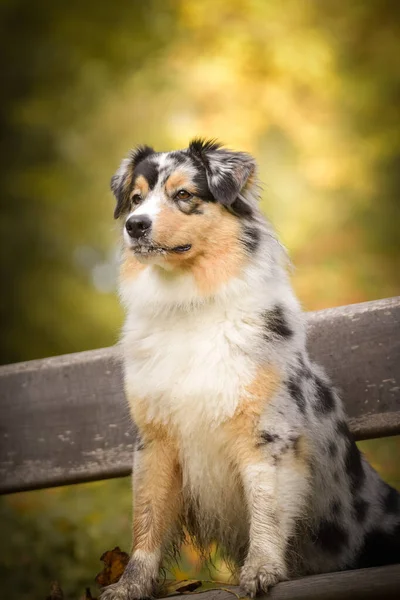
381, 583
359, 345
65, 419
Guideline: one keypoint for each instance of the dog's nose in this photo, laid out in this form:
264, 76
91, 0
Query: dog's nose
138, 225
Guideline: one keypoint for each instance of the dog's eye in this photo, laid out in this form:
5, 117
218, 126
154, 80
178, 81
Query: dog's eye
136, 198
183, 195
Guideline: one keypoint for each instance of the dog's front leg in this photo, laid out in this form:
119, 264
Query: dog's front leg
274, 476
265, 562
276, 485
157, 493
258, 472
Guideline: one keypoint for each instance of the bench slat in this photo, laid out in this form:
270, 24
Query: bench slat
65, 420
363, 584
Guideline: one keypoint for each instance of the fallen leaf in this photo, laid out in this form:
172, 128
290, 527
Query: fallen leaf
171, 587
115, 562
56, 592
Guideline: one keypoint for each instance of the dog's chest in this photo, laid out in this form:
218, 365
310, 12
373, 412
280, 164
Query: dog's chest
190, 369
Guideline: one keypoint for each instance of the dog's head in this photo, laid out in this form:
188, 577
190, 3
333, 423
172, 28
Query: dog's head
175, 205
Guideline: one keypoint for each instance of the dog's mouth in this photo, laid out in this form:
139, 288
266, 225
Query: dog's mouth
151, 250
181, 249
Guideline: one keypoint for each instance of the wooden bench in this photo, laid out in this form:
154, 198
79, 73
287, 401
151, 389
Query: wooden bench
64, 420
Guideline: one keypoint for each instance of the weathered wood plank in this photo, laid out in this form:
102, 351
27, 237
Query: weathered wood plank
359, 345
380, 583
65, 419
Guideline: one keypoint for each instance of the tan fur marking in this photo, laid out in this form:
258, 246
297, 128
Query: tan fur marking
178, 180
173, 228
223, 255
141, 186
216, 255
128, 180
261, 389
138, 410
242, 429
157, 487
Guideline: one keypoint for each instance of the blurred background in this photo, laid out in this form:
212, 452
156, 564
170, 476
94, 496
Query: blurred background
311, 88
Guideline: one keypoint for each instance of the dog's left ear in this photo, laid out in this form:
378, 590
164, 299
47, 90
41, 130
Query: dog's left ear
228, 173
121, 182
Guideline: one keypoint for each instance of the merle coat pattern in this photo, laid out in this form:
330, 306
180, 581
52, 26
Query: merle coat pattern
243, 440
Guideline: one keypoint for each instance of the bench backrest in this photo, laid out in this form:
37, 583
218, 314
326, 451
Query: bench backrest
65, 420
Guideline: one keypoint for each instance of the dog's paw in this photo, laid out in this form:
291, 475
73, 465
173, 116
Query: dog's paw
138, 581
259, 578
123, 590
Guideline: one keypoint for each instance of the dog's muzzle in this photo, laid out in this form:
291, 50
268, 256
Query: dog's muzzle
137, 226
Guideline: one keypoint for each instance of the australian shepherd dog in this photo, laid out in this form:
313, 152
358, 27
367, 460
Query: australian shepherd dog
242, 439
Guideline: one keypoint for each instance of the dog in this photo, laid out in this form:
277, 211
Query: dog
242, 439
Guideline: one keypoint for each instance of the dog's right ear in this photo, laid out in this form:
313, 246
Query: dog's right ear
121, 182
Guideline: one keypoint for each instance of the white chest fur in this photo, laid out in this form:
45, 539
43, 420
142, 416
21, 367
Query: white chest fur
190, 367
192, 362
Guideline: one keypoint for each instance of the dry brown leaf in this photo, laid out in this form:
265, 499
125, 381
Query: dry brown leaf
56, 592
171, 587
115, 562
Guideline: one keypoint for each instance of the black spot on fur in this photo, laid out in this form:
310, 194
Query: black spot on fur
332, 449
179, 157
304, 370
141, 153
275, 323
342, 429
391, 500
336, 476
379, 548
336, 507
240, 208
297, 394
149, 170
268, 438
353, 464
278, 445
250, 238
200, 146
325, 400
224, 189
295, 443
201, 184
352, 459
360, 509
301, 361
330, 537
